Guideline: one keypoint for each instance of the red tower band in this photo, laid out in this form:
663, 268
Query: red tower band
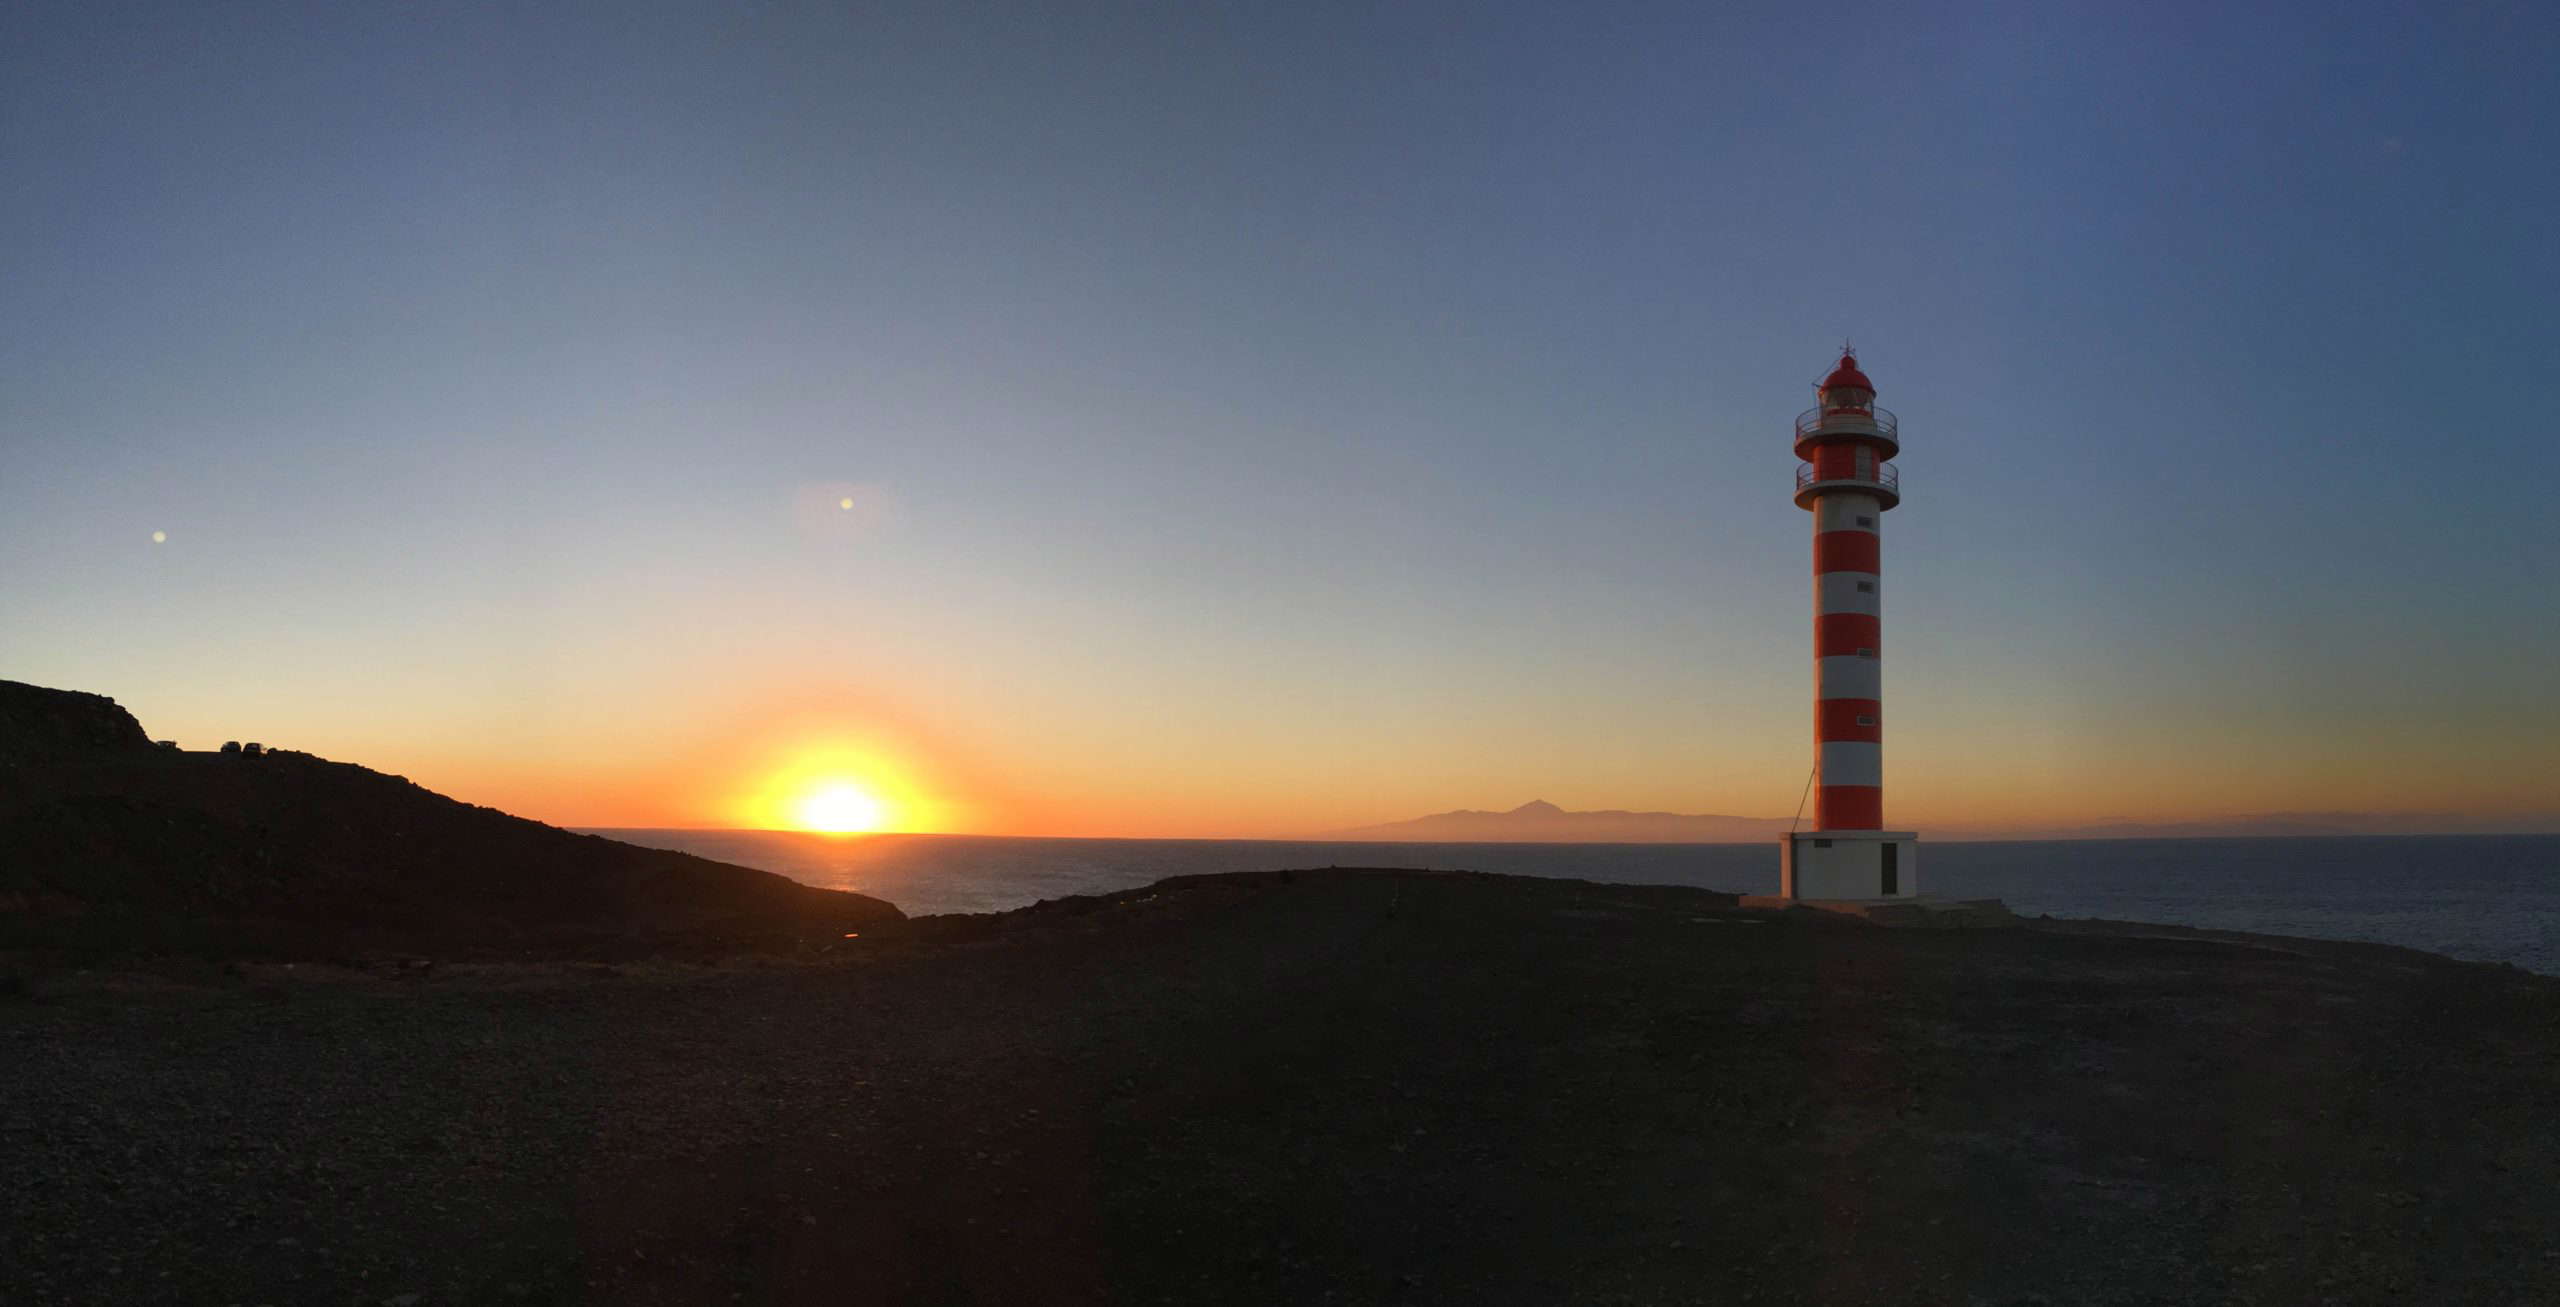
1847, 481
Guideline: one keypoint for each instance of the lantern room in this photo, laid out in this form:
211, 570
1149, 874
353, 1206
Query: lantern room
1847, 390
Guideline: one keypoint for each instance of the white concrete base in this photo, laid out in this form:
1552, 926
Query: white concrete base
1849, 864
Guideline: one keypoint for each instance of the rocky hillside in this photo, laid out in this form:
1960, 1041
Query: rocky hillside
37, 724
106, 840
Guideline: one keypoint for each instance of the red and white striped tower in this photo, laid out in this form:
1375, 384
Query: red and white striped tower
1848, 482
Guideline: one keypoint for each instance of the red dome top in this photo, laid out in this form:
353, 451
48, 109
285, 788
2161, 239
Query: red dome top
1847, 374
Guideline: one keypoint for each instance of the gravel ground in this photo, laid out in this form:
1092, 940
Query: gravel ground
1346, 1087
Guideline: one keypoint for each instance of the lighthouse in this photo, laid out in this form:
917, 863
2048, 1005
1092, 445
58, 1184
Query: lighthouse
1847, 479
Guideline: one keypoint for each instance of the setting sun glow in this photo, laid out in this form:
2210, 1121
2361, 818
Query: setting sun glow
834, 780
839, 809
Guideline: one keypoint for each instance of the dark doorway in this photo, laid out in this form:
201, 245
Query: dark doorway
1892, 869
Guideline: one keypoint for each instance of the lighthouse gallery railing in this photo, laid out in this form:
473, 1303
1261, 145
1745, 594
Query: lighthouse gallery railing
1887, 475
1849, 422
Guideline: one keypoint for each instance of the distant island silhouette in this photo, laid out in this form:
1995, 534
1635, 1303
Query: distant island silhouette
1541, 822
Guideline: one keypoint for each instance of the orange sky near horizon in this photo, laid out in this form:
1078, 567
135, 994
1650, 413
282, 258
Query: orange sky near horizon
743, 760
1013, 711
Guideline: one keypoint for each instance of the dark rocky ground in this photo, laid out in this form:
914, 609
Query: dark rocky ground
1348, 1087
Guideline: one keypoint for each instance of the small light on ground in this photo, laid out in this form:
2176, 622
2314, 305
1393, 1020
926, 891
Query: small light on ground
159, 537
853, 934
845, 503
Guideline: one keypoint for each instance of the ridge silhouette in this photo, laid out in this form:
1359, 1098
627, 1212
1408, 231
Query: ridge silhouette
108, 841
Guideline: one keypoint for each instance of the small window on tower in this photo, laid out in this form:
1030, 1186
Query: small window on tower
1866, 653
1866, 521
1866, 721
1822, 844
1866, 587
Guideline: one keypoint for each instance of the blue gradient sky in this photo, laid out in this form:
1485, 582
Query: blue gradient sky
1285, 417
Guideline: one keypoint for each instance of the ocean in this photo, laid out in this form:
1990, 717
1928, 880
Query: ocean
2490, 898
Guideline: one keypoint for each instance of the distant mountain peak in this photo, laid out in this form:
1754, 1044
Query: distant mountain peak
1539, 821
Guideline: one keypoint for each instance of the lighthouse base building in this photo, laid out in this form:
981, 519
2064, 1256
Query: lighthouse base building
1849, 864
1847, 481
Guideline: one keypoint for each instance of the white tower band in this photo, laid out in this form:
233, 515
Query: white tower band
1845, 443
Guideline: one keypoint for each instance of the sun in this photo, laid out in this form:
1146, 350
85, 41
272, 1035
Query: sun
839, 808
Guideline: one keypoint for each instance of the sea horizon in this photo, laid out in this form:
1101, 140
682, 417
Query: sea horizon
1960, 838
2487, 898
